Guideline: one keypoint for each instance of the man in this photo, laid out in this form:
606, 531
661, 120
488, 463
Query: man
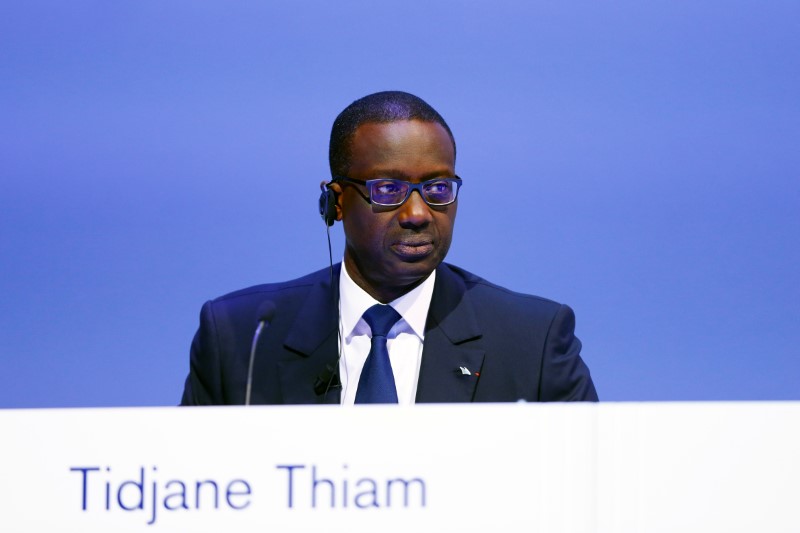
392, 323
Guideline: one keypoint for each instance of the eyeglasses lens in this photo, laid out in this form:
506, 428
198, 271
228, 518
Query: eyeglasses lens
395, 192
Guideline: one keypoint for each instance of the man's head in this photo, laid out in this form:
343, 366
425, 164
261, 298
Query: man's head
379, 108
390, 250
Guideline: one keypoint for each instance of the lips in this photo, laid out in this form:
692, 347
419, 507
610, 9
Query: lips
413, 247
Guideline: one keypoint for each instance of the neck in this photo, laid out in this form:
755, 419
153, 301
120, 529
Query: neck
382, 292
389, 294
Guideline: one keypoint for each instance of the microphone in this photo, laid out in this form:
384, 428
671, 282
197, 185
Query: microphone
328, 379
265, 313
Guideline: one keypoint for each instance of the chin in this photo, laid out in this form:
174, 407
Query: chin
411, 272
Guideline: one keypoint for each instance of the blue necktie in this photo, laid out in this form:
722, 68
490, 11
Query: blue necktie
376, 384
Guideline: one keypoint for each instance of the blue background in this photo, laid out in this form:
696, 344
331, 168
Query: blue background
636, 160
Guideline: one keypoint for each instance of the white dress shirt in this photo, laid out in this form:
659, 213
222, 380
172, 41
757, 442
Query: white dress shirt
404, 341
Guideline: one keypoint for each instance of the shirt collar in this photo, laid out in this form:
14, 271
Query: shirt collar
412, 306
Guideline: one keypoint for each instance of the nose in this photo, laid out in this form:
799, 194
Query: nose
414, 213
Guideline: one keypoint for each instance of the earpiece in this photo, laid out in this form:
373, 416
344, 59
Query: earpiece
327, 205
327, 210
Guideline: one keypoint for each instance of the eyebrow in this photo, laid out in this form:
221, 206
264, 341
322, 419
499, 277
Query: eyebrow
399, 174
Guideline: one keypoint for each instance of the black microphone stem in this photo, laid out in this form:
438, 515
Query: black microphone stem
265, 314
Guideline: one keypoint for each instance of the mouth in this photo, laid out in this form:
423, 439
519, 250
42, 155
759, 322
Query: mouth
413, 248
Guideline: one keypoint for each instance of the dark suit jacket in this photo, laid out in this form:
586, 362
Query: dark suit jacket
516, 346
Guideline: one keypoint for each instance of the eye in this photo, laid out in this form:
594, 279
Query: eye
386, 188
439, 188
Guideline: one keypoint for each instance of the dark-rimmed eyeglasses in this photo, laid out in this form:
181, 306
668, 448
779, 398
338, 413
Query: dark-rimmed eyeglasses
389, 192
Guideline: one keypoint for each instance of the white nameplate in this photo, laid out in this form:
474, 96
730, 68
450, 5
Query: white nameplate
491, 468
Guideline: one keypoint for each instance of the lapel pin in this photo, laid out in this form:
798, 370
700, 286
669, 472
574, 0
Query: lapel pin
465, 371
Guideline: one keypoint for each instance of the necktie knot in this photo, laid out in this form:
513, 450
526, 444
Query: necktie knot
380, 319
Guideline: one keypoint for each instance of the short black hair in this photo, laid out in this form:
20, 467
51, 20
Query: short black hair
382, 107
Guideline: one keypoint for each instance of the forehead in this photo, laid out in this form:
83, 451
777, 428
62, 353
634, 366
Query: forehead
407, 146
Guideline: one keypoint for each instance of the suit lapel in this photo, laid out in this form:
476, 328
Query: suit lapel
312, 343
452, 341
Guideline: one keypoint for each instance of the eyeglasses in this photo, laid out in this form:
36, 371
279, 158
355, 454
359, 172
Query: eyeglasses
388, 192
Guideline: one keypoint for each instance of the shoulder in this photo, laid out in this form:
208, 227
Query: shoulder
489, 296
300, 284
284, 295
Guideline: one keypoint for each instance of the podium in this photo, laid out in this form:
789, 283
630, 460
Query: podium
616, 468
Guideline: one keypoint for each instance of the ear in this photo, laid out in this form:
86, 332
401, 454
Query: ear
336, 189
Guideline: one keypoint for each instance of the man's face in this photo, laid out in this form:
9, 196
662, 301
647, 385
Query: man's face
388, 251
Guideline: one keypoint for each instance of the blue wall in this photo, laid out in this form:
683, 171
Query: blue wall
157, 154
